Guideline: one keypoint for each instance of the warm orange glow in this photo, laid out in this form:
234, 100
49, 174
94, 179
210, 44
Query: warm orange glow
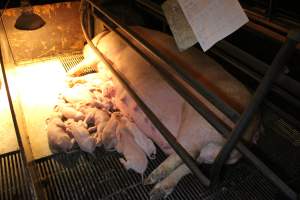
38, 86
8, 136
7, 132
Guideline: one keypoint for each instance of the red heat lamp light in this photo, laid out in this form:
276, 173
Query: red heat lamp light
28, 20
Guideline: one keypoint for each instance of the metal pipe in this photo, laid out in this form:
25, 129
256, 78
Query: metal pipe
216, 101
188, 96
241, 147
30, 178
277, 65
255, 76
188, 160
91, 22
283, 81
270, 9
286, 96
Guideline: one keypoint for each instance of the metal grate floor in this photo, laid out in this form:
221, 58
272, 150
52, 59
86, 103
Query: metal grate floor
101, 176
12, 177
70, 61
78, 175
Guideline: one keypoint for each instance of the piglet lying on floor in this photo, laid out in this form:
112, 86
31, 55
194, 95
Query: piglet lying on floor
82, 136
135, 158
88, 115
191, 130
139, 137
58, 138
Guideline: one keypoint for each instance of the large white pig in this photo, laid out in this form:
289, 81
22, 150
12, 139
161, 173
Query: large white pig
192, 131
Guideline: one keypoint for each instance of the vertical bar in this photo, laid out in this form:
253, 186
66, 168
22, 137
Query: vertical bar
278, 64
30, 180
220, 127
215, 100
184, 155
270, 9
91, 22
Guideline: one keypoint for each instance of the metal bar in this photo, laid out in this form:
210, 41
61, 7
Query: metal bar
282, 81
29, 177
286, 96
248, 154
188, 96
255, 76
243, 149
188, 160
270, 9
91, 22
216, 101
277, 65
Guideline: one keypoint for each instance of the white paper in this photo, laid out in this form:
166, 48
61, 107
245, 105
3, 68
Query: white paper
181, 29
213, 20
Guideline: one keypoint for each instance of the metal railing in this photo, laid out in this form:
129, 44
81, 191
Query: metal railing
126, 34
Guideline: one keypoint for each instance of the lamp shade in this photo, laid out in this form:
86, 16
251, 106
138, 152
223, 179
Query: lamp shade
29, 21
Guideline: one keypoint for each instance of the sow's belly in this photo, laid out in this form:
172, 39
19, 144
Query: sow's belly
166, 104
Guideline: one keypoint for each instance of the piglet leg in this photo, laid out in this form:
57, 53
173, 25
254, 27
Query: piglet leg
207, 155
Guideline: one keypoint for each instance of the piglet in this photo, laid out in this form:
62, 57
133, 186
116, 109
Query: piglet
76, 94
108, 136
82, 136
135, 157
58, 138
99, 119
140, 138
69, 112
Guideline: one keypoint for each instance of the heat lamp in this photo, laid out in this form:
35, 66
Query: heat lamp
28, 20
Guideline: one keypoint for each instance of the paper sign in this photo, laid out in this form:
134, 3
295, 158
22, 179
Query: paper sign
213, 20
181, 30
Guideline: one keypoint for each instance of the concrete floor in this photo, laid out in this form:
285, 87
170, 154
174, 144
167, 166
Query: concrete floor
38, 86
8, 139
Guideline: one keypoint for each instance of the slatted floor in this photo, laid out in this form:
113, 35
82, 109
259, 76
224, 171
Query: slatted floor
82, 176
101, 176
78, 175
12, 177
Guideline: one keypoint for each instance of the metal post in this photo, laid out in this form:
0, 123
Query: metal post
215, 100
278, 64
185, 156
122, 30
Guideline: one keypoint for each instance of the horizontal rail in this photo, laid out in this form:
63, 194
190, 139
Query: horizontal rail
221, 53
215, 100
220, 127
278, 64
283, 81
188, 160
257, 77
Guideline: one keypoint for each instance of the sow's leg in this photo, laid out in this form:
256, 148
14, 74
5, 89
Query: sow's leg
208, 154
